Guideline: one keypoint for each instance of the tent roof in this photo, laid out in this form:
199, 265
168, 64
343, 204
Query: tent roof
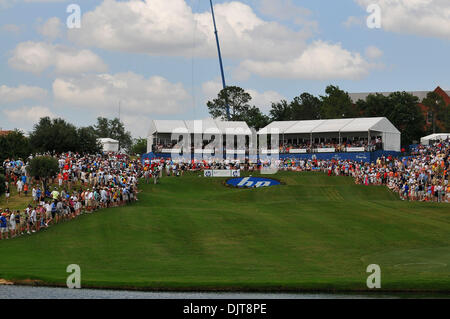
107, 140
435, 136
282, 126
166, 126
200, 126
365, 124
331, 125
239, 127
381, 124
193, 126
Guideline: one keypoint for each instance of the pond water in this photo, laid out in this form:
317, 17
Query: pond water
26, 292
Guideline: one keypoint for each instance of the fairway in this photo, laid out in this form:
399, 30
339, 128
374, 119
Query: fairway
314, 232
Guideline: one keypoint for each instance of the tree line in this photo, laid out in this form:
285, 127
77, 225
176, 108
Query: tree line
59, 136
401, 108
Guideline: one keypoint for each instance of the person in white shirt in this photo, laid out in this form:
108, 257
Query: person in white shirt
32, 221
19, 186
12, 224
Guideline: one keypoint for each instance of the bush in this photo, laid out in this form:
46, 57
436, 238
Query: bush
44, 167
2, 185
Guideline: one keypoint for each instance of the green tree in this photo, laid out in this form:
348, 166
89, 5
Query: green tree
14, 145
406, 115
401, 108
240, 108
435, 105
2, 184
55, 135
87, 141
255, 118
139, 146
43, 168
281, 111
375, 105
337, 104
236, 98
447, 119
305, 107
114, 129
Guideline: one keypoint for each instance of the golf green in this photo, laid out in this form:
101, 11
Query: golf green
314, 232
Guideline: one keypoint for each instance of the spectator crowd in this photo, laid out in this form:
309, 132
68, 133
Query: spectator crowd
84, 184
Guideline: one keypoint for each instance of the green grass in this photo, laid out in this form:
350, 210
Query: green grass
191, 233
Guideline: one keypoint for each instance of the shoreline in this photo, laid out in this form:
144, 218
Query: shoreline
271, 290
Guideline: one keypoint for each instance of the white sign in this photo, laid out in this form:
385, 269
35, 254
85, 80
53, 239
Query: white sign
275, 151
222, 173
241, 152
325, 150
355, 149
171, 150
298, 151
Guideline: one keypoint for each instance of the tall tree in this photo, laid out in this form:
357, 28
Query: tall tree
406, 115
139, 146
436, 107
14, 145
87, 141
337, 104
255, 118
2, 183
55, 135
305, 107
43, 168
240, 110
375, 105
114, 129
236, 98
281, 111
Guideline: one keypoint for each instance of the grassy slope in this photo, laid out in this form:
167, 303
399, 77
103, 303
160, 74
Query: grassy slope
315, 232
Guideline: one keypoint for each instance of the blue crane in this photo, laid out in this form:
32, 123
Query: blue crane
220, 56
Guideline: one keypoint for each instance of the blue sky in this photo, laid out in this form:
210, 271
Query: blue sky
157, 58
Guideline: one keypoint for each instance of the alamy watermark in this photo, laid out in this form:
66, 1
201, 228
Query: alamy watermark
74, 19
74, 279
374, 19
374, 280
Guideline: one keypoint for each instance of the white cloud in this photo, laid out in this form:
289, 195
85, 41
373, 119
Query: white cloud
38, 56
430, 18
287, 10
320, 61
10, 3
138, 95
353, 21
11, 28
22, 92
263, 100
168, 27
28, 115
137, 125
51, 29
372, 52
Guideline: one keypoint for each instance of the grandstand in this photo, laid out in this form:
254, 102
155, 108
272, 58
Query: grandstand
353, 138
429, 139
337, 135
208, 136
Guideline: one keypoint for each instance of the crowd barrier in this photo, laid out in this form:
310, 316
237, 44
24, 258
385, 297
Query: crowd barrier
353, 156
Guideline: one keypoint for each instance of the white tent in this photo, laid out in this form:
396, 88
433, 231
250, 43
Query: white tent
207, 126
279, 127
109, 145
434, 137
376, 125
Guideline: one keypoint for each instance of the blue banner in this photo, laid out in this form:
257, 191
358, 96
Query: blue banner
252, 182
